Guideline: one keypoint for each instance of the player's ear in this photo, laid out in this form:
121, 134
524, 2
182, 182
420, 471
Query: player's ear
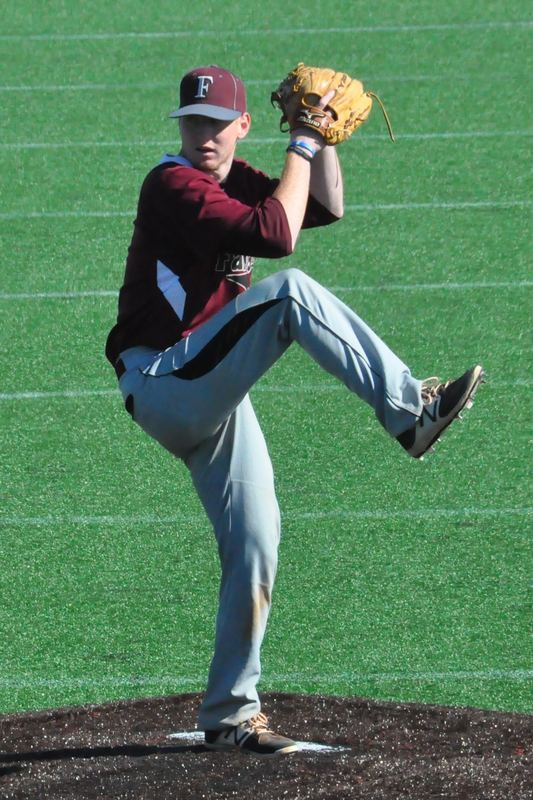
244, 123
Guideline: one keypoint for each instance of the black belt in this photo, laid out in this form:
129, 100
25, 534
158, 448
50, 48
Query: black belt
120, 368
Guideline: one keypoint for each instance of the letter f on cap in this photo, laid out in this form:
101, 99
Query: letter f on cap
211, 92
204, 82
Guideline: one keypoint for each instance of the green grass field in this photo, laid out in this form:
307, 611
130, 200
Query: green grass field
397, 579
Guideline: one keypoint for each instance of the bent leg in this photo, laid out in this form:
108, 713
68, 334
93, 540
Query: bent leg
346, 347
228, 354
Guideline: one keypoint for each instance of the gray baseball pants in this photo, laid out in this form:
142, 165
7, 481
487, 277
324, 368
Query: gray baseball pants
193, 399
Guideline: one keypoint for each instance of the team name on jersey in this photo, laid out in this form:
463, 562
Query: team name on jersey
234, 264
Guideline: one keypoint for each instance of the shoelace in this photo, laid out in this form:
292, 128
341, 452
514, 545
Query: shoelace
259, 723
431, 387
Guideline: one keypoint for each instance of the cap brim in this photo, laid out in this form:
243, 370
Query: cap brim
205, 110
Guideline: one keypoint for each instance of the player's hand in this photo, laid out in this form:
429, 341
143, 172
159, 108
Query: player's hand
306, 134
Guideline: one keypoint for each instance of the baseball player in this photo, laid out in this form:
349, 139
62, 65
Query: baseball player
193, 336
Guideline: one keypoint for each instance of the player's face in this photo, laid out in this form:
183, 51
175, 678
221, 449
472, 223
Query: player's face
209, 144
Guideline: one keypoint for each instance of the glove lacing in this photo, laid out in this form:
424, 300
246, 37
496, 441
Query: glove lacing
387, 120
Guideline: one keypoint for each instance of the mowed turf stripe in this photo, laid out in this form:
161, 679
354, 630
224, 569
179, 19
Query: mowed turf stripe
366, 207
58, 295
478, 25
27, 682
436, 206
153, 519
66, 394
114, 87
392, 287
260, 141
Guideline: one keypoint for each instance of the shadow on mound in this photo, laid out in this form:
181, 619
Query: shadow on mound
384, 750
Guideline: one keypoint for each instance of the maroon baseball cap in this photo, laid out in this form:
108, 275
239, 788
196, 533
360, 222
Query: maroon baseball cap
211, 92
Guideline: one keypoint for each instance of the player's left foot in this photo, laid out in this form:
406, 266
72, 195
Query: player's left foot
252, 736
443, 402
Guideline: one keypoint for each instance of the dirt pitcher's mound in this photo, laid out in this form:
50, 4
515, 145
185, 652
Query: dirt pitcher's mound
374, 750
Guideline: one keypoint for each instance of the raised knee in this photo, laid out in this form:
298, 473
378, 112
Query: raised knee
295, 275
294, 280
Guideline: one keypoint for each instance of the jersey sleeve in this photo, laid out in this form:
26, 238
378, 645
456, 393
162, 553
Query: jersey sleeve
316, 214
213, 220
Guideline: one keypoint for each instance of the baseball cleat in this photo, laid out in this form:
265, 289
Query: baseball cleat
252, 736
443, 402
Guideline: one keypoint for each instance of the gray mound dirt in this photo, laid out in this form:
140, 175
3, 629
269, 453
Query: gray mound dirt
376, 750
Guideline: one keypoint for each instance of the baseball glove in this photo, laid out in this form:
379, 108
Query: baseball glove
299, 94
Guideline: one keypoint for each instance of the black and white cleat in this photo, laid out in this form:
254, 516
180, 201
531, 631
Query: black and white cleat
442, 403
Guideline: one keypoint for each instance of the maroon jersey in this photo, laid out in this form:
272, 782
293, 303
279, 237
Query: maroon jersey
193, 249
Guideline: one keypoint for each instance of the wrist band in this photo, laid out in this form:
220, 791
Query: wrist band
309, 147
301, 149
306, 146
292, 148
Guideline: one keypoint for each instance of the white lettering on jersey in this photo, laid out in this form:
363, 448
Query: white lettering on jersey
170, 285
233, 264
204, 82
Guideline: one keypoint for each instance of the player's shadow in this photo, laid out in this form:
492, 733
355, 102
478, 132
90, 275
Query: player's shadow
129, 750
10, 770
